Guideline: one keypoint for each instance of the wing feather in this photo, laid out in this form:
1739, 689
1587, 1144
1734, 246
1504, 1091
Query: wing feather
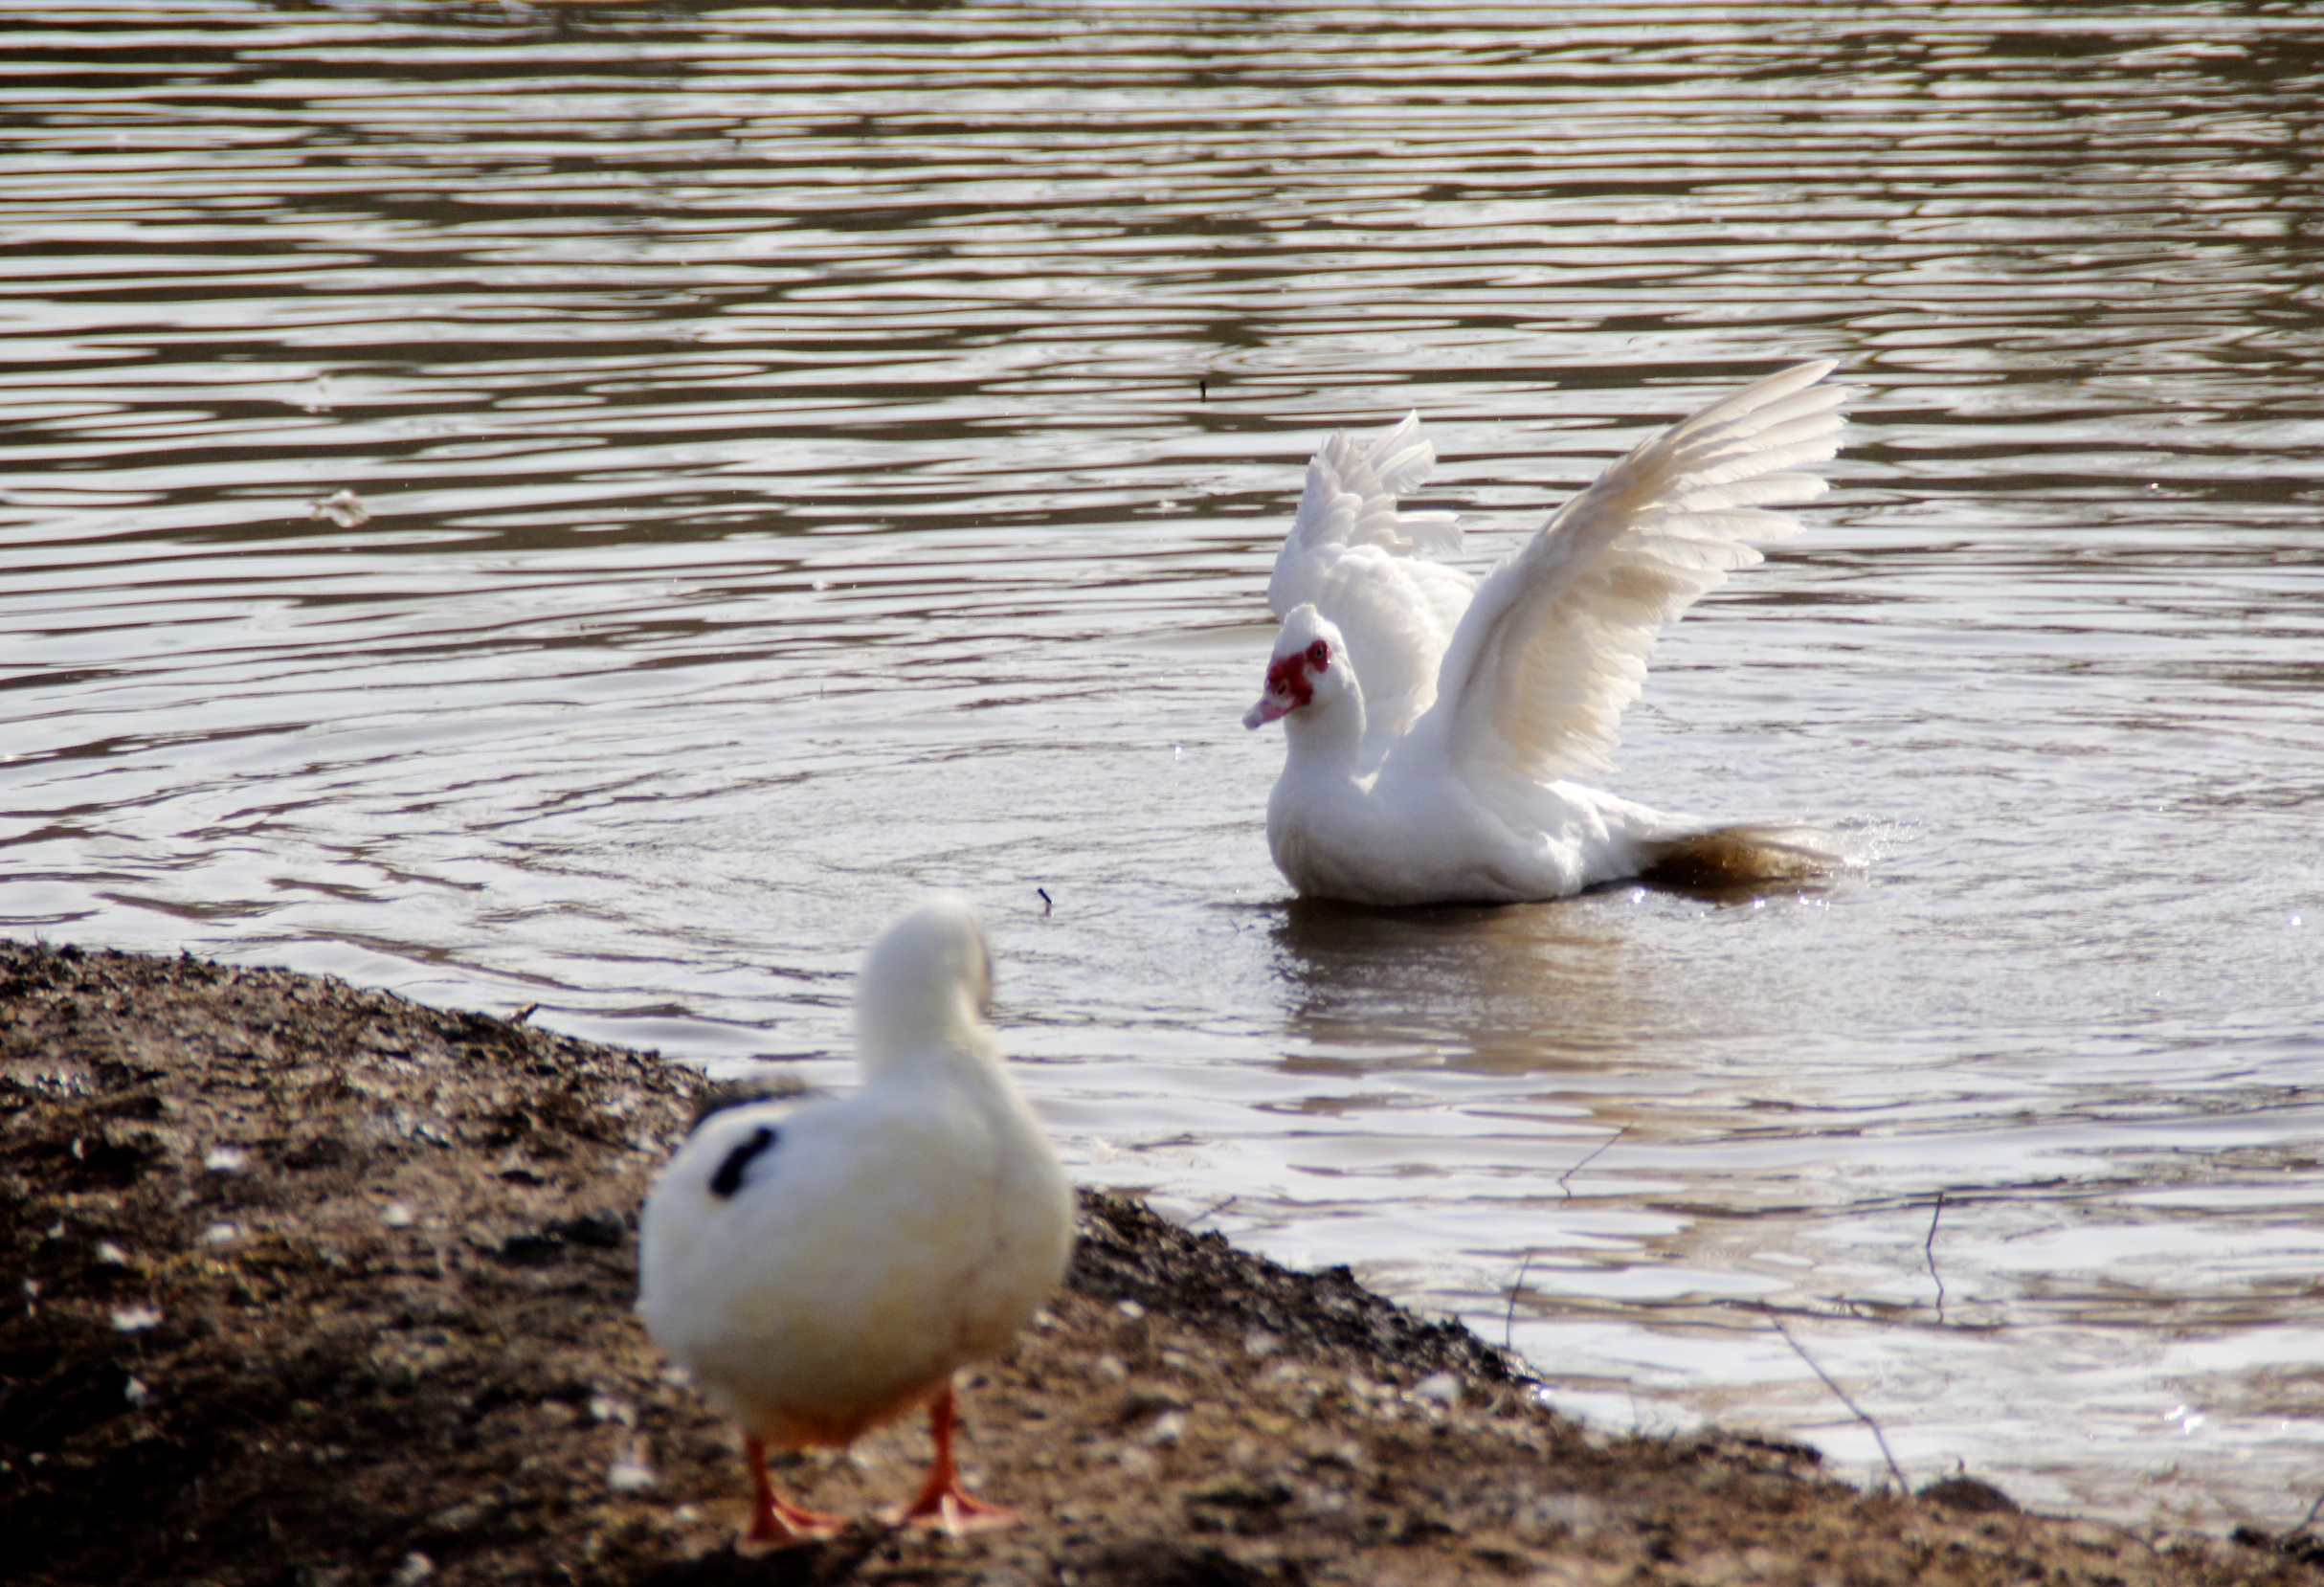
1351, 555
1556, 642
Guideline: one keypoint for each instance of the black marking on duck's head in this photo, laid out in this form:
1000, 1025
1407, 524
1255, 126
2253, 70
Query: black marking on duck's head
730, 1175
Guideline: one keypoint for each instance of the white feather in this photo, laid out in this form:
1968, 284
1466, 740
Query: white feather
1351, 555
1554, 644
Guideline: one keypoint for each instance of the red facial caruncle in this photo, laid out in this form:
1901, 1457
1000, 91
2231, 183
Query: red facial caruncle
1290, 684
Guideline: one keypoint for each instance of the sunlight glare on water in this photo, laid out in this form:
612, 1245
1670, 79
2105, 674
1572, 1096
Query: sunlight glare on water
800, 457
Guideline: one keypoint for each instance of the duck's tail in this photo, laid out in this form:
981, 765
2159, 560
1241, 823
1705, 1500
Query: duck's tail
1733, 860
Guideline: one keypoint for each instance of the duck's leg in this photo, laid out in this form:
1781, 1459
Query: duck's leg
775, 1522
942, 1500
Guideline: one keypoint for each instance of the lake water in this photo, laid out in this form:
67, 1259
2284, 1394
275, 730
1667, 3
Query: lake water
815, 455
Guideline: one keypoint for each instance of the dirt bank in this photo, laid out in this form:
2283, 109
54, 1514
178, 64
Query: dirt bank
312, 1286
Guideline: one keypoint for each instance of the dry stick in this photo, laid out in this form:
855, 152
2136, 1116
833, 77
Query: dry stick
1509, 1322
2304, 1523
1213, 1207
1878, 1437
1928, 1249
1587, 1161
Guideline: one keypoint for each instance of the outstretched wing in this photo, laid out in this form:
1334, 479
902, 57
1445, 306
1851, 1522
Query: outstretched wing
1554, 644
1351, 555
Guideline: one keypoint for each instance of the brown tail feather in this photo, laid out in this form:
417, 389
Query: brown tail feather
1732, 859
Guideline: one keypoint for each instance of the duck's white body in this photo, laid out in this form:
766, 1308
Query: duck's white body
823, 1267
1435, 724
1350, 836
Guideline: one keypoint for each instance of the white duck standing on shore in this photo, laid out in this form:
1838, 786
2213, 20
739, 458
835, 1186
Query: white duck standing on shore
1433, 720
820, 1268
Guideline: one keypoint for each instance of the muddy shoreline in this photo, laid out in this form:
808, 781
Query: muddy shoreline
316, 1287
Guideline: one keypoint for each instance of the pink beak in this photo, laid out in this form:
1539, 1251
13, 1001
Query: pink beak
1265, 712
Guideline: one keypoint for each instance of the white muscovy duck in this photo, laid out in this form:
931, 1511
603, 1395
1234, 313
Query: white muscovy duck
823, 1268
1434, 721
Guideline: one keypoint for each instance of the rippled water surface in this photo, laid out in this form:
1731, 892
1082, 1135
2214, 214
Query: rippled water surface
811, 455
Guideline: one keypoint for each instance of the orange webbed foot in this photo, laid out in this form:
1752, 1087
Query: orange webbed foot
942, 1502
783, 1525
953, 1509
776, 1523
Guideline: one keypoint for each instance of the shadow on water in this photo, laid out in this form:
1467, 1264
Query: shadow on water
1496, 988
1541, 986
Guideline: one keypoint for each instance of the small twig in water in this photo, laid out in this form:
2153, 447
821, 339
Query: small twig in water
1587, 1161
1213, 1207
524, 1014
1842, 1394
1928, 1250
2306, 1521
1046, 905
1508, 1321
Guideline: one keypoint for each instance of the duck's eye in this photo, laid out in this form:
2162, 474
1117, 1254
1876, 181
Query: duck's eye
1319, 653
